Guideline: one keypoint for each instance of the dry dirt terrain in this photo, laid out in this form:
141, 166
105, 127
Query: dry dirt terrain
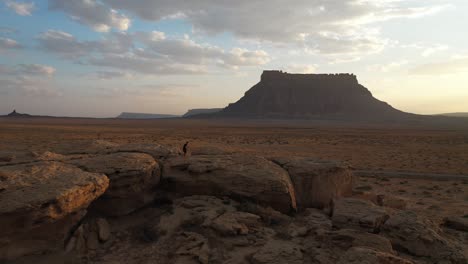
226, 231
378, 147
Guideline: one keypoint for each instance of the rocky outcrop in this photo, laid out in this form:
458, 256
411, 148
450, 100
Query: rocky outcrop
278, 252
317, 183
364, 255
211, 207
133, 178
242, 177
158, 152
457, 223
310, 96
418, 237
40, 203
358, 214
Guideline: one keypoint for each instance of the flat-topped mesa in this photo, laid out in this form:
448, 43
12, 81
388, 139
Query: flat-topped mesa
275, 75
281, 95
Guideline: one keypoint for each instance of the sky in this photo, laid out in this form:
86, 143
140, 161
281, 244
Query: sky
97, 58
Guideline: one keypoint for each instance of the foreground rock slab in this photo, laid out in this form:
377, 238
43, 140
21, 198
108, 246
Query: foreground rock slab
358, 214
363, 255
40, 202
316, 182
237, 176
421, 238
133, 177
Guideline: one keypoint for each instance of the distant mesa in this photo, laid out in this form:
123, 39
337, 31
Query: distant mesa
127, 115
460, 114
193, 112
281, 95
16, 114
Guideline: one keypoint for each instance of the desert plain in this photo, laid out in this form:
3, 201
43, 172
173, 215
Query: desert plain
374, 148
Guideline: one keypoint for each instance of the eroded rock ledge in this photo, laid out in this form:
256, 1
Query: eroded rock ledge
137, 203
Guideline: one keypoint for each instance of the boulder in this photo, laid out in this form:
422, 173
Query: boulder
408, 232
235, 223
317, 183
241, 177
345, 239
457, 223
313, 220
19, 157
157, 151
358, 214
193, 211
133, 177
392, 202
40, 203
278, 252
363, 255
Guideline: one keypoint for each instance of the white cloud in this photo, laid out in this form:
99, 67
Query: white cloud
301, 22
92, 13
426, 49
149, 53
20, 8
36, 69
392, 66
431, 50
29, 87
301, 68
28, 80
8, 44
27, 70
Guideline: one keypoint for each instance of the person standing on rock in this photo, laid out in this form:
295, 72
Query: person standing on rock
185, 148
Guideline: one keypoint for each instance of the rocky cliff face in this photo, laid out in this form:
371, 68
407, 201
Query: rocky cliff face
284, 95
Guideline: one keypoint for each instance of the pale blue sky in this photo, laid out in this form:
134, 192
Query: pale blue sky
100, 58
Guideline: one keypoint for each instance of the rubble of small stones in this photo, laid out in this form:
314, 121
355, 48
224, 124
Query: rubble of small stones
146, 203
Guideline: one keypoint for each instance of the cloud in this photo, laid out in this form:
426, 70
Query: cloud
36, 69
92, 13
301, 68
149, 53
27, 70
8, 44
426, 49
431, 50
28, 80
20, 8
300, 22
454, 66
107, 75
29, 87
392, 66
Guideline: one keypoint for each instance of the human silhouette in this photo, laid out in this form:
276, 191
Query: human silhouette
184, 149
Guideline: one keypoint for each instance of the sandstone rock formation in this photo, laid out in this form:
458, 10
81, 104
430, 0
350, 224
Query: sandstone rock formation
421, 238
40, 202
133, 177
245, 177
362, 255
457, 223
358, 214
310, 96
317, 183
213, 207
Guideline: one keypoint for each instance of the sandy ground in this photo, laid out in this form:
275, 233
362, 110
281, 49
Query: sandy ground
412, 149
